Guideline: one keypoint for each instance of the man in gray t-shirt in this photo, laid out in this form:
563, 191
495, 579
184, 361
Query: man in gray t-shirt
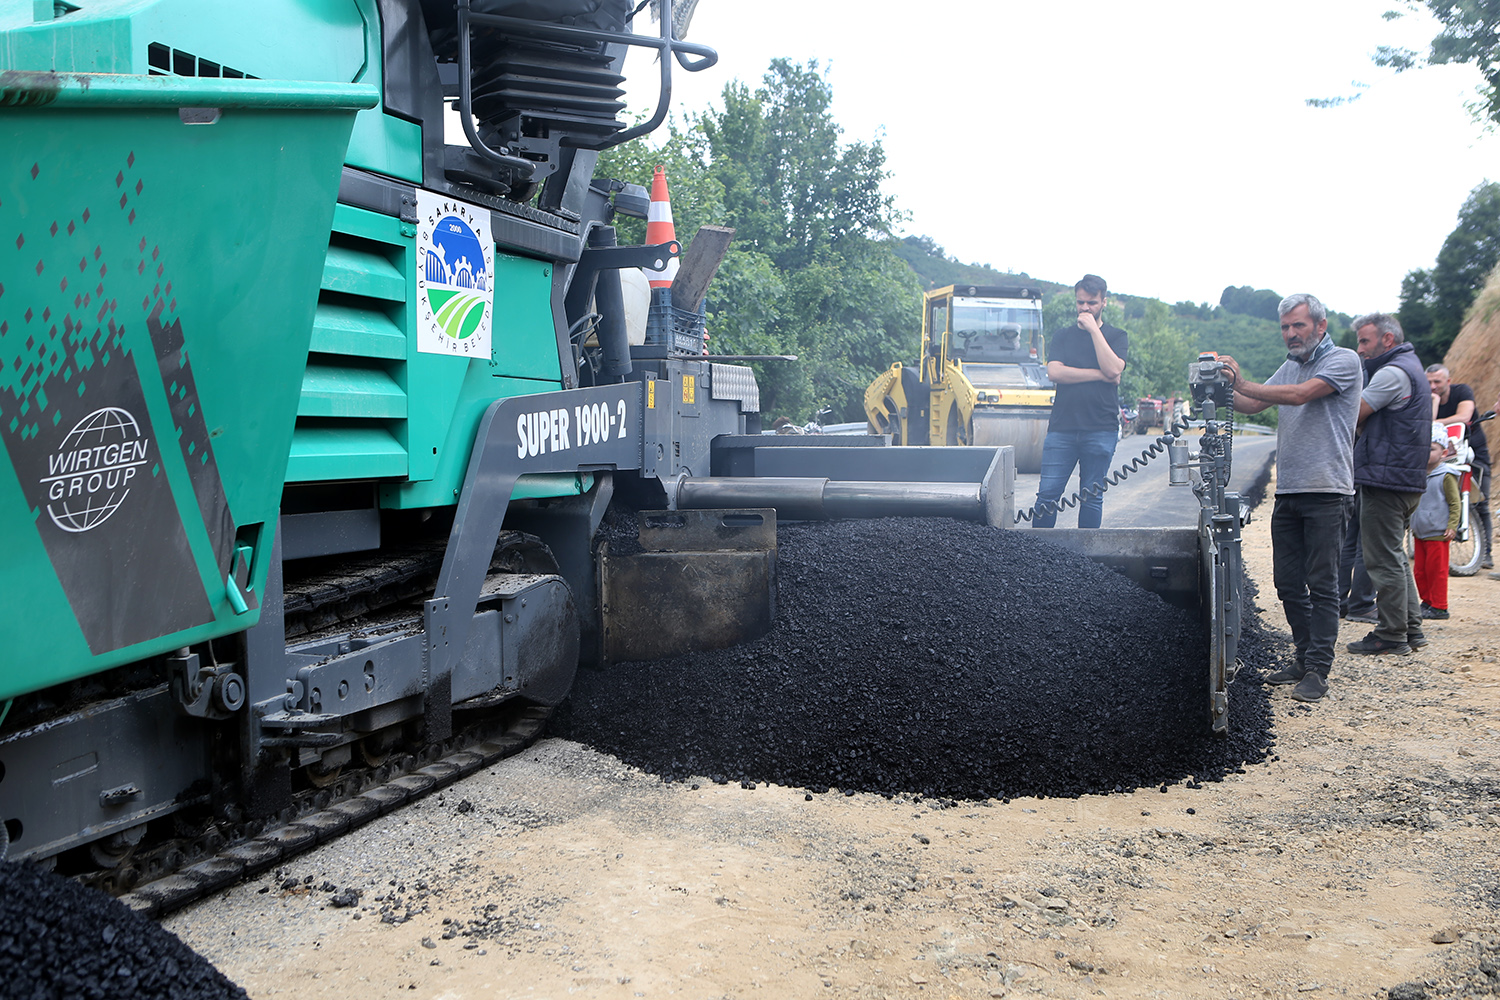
1317, 388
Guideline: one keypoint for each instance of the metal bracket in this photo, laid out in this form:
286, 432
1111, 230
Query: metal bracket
592, 260
119, 796
214, 691
440, 621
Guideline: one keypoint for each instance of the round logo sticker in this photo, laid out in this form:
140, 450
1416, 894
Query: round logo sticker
455, 265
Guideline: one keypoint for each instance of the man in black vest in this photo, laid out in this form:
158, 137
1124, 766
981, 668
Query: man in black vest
1390, 472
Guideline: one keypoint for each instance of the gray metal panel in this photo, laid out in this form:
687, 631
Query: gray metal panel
736, 529
140, 748
356, 674
328, 533
567, 526
539, 641
1164, 561
745, 441
546, 237
735, 382
711, 584
527, 635
409, 77
598, 427
481, 668
660, 604
892, 465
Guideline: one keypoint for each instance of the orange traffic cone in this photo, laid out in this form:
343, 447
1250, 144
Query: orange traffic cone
659, 228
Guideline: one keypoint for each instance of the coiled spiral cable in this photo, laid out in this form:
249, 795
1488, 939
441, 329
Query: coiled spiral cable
1157, 447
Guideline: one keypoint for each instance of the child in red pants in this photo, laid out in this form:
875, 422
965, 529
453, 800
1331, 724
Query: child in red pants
1434, 525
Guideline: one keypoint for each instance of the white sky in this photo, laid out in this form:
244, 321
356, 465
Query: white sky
1163, 144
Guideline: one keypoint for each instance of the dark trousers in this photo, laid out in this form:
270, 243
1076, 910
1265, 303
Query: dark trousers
1356, 590
1307, 531
1482, 477
1384, 520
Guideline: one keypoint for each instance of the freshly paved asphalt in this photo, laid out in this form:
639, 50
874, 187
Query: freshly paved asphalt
1144, 499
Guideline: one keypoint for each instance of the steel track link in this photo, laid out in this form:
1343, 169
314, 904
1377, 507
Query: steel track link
322, 815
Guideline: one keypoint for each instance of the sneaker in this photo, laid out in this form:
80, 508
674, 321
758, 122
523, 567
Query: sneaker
1312, 687
1495, 576
1375, 645
1437, 614
1366, 617
1286, 675
1487, 564
1416, 639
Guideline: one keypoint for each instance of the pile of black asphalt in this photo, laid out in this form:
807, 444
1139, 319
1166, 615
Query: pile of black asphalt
60, 940
941, 659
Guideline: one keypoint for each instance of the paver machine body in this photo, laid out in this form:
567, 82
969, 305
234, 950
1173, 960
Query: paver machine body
312, 406
982, 377
311, 413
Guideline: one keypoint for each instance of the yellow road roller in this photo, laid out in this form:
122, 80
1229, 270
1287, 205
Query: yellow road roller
982, 377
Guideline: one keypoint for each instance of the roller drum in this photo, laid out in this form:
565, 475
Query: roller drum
1022, 429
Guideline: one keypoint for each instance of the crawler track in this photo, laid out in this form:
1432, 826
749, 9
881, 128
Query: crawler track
193, 854
187, 869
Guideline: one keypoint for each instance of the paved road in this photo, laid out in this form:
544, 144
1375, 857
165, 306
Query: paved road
1144, 499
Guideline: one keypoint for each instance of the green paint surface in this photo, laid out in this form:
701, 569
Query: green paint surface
120, 208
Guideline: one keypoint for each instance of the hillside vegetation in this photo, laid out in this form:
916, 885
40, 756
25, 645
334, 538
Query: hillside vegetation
1474, 357
1163, 338
816, 272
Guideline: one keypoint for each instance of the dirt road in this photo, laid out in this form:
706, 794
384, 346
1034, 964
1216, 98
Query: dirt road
1360, 859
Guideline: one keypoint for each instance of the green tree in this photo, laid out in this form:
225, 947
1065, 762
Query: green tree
1258, 302
791, 186
1433, 303
1415, 313
1161, 348
811, 272
1470, 34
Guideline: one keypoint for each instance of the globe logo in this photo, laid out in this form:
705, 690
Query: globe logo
89, 475
456, 277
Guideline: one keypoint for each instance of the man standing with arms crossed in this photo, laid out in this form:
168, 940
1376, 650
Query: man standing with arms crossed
1085, 360
1317, 388
1390, 468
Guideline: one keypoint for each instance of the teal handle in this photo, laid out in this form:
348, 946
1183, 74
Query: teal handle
236, 599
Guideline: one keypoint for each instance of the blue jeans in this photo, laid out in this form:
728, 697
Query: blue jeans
1307, 531
1091, 452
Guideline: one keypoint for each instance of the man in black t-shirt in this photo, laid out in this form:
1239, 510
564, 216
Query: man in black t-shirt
1085, 361
1455, 401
